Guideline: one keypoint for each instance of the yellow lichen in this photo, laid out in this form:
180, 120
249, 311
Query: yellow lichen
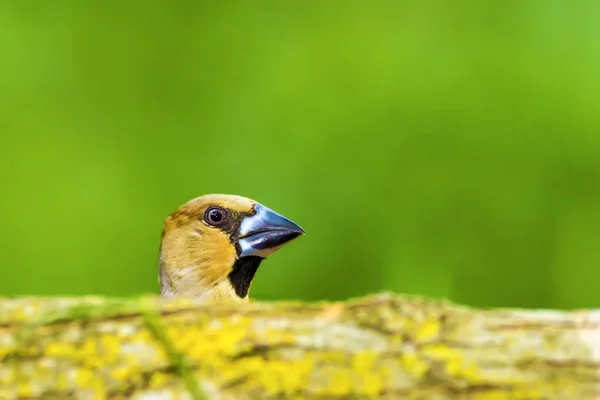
83, 377
121, 374
62, 383
397, 340
25, 390
270, 376
158, 379
202, 343
30, 351
428, 330
4, 351
228, 372
530, 392
497, 394
363, 363
59, 349
232, 334
333, 357
413, 364
7, 377
88, 353
297, 375
372, 384
186, 338
111, 347
276, 376
88, 348
340, 382
99, 389
453, 362
364, 360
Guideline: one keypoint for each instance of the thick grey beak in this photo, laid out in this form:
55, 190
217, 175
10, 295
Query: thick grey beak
265, 232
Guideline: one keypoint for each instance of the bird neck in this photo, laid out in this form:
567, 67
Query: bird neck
242, 273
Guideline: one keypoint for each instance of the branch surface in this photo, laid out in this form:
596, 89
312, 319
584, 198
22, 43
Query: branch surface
378, 347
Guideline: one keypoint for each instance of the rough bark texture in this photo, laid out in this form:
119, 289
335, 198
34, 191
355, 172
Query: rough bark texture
382, 346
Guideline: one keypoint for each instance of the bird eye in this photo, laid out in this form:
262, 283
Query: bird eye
214, 216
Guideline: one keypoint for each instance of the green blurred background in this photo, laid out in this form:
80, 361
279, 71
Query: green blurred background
450, 149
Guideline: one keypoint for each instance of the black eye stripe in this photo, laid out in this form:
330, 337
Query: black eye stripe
230, 221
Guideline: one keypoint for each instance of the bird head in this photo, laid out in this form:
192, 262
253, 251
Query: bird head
212, 246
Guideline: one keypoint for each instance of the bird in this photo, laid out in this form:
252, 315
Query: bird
211, 246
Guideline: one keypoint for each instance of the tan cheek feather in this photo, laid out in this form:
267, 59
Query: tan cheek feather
216, 254
197, 260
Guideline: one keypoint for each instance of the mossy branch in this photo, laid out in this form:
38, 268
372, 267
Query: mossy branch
382, 346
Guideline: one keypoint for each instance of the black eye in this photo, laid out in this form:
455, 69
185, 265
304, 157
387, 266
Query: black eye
214, 216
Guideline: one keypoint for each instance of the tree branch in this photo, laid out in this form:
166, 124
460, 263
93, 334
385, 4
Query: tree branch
383, 346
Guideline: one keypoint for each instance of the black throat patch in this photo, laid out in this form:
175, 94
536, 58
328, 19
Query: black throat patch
242, 274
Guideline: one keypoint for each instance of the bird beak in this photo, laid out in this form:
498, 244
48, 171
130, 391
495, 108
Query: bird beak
265, 232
